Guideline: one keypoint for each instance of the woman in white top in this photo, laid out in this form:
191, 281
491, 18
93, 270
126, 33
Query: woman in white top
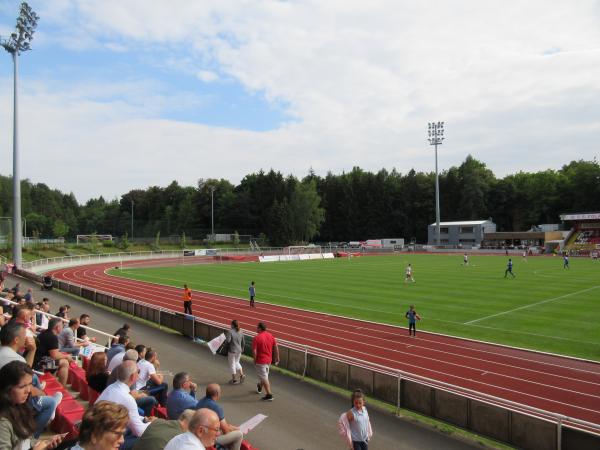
236, 342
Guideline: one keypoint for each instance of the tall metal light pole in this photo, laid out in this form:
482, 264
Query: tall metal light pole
131, 220
18, 42
436, 136
212, 212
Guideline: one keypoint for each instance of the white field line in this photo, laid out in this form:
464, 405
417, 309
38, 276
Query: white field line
532, 305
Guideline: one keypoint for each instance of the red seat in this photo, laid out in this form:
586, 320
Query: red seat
160, 411
85, 362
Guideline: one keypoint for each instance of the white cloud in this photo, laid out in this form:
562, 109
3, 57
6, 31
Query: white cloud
207, 76
361, 80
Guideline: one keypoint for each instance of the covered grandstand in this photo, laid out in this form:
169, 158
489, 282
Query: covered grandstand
584, 237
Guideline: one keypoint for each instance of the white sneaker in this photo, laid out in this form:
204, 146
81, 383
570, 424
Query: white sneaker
58, 396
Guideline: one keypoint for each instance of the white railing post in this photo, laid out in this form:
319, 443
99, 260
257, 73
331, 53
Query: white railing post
305, 361
559, 434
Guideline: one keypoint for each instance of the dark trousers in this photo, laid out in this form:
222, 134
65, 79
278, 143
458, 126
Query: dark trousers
252, 301
187, 307
158, 391
413, 327
360, 445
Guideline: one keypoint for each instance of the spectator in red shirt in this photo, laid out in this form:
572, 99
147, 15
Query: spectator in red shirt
265, 351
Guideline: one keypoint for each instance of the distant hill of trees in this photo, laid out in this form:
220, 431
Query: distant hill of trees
349, 206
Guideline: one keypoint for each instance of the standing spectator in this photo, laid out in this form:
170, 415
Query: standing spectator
160, 432
48, 354
236, 342
187, 300
183, 395
102, 427
117, 347
202, 432
355, 425
118, 392
231, 437
252, 292
66, 339
412, 317
84, 321
97, 374
29, 296
265, 351
149, 379
16, 419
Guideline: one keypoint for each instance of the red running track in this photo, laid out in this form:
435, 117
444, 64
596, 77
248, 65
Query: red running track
562, 385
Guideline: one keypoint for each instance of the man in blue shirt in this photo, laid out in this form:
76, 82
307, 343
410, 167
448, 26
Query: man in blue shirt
182, 397
117, 348
252, 292
231, 436
509, 268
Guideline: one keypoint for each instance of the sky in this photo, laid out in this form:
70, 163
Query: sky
125, 94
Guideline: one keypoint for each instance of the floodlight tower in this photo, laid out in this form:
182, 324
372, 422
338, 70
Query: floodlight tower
18, 42
212, 212
436, 136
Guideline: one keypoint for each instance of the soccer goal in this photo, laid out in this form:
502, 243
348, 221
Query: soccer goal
83, 238
303, 252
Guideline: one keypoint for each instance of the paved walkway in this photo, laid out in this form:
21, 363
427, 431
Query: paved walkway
302, 416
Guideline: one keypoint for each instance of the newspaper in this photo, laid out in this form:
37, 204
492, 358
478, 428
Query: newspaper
252, 423
216, 343
88, 350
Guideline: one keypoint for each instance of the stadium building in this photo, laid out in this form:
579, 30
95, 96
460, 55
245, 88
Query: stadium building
584, 236
464, 234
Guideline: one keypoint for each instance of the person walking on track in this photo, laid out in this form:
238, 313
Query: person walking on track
187, 300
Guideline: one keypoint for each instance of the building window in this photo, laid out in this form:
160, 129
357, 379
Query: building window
444, 230
466, 229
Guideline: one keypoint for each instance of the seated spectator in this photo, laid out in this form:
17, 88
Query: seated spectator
97, 374
141, 349
63, 312
144, 401
183, 395
29, 296
102, 427
13, 339
118, 358
149, 380
16, 289
118, 392
84, 321
123, 331
117, 348
17, 424
42, 319
161, 431
66, 339
24, 314
231, 436
202, 432
48, 357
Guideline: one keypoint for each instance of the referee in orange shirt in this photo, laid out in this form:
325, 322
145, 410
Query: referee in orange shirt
187, 300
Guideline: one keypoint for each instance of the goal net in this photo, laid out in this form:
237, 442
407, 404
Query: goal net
85, 238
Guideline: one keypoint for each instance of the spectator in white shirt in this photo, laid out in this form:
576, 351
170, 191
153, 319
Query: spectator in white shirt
203, 431
149, 380
118, 392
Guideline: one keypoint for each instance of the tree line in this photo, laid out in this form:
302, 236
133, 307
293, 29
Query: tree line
354, 205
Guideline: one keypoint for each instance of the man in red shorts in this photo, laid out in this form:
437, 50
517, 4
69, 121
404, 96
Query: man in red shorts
265, 351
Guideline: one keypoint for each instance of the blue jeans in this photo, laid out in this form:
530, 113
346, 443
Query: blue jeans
71, 350
130, 440
43, 409
146, 404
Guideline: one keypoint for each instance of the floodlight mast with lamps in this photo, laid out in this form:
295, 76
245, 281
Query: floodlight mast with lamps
436, 136
19, 41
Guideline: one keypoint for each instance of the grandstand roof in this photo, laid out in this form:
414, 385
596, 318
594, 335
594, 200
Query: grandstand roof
466, 222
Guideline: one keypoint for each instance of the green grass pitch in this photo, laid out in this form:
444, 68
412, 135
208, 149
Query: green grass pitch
545, 307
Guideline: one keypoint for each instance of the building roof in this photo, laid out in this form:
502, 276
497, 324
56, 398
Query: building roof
466, 222
581, 216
